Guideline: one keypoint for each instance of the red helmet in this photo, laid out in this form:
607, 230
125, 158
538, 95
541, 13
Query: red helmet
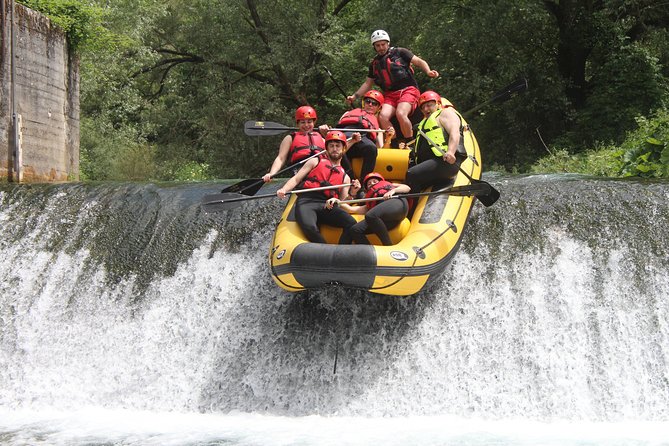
335, 135
429, 96
305, 112
376, 95
371, 175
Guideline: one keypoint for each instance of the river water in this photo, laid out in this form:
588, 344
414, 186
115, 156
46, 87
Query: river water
129, 317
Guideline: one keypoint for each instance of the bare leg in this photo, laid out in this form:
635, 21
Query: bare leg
387, 113
403, 110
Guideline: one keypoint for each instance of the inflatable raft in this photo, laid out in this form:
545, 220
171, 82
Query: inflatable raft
423, 245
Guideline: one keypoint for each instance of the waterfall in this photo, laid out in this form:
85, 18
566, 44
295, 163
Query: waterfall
124, 296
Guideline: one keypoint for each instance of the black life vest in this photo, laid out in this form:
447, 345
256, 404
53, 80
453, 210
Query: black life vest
390, 69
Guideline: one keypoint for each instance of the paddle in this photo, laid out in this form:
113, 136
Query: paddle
487, 199
267, 128
334, 81
460, 191
252, 185
223, 202
506, 93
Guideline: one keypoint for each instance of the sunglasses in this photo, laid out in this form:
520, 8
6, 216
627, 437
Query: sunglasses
371, 102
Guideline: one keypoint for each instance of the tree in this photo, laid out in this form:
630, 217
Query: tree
178, 79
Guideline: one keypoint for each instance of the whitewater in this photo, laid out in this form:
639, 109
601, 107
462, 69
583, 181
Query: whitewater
128, 316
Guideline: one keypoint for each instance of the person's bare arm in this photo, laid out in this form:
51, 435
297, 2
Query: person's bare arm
423, 65
450, 122
280, 159
364, 88
299, 176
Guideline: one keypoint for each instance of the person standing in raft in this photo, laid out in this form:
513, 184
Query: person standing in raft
391, 70
380, 216
310, 208
444, 127
366, 118
298, 145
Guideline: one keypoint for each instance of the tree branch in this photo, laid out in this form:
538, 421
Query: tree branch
283, 83
342, 4
170, 62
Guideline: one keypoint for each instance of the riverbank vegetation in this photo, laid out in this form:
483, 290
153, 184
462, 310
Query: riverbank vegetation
167, 85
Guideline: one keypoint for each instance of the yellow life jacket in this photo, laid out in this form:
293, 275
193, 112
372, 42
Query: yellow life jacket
434, 131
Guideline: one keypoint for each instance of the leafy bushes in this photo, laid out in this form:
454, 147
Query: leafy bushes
600, 162
81, 21
643, 153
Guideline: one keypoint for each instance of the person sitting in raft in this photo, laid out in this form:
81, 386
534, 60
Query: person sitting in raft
444, 127
299, 145
380, 216
365, 118
310, 208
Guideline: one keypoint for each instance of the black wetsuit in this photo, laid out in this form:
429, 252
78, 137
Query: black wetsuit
310, 211
378, 220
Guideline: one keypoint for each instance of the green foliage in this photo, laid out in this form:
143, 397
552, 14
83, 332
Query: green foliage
645, 151
602, 161
171, 82
186, 171
81, 21
629, 84
114, 154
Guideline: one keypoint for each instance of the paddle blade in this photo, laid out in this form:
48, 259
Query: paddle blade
247, 187
489, 198
263, 128
476, 189
510, 90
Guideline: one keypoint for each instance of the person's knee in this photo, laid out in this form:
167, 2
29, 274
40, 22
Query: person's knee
370, 150
412, 179
386, 114
310, 229
357, 228
373, 220
357, 233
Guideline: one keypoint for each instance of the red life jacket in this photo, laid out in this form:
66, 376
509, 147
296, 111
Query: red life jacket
359, 117
325, 174
390, 68
378, 190
304, 145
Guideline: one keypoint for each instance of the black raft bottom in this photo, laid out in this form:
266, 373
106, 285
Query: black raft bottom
315, 265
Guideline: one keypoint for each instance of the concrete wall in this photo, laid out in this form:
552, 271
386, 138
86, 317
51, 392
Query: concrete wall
46, 96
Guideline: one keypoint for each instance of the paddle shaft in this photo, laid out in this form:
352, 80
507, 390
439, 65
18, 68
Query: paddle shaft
487, 199
433, 144
474, 189
334, 81
257, 197
285, 128
504, 94
250, 186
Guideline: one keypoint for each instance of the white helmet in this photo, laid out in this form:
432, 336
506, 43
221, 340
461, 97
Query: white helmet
380, 34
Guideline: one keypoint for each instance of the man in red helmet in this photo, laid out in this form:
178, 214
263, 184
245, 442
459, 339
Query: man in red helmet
380, 216
365, 117
310, 209
391, 69
298, 145
443, 126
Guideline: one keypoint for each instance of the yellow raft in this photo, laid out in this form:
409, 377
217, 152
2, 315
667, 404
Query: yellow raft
423, 246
